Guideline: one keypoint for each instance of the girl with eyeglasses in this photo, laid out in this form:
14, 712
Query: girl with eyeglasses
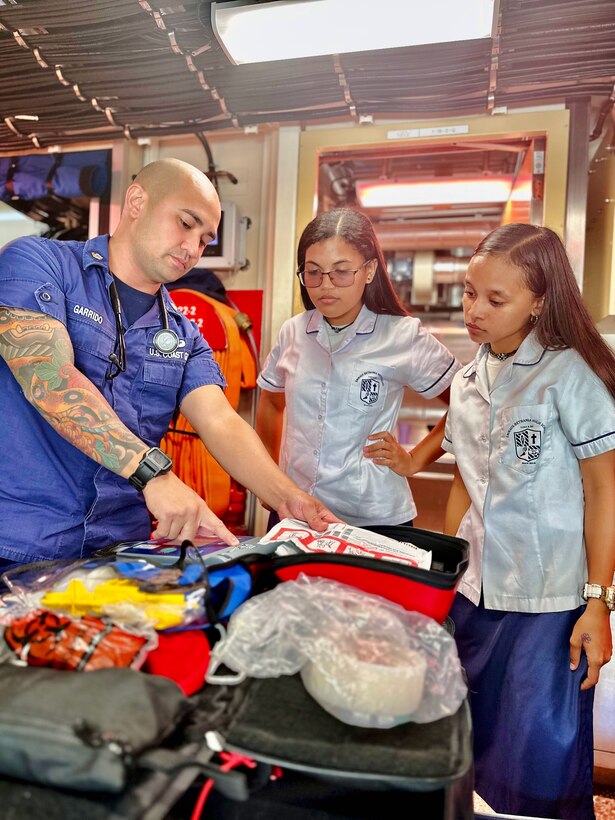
339, 371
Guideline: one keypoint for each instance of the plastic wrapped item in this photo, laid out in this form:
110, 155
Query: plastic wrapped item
42, 638
342, 539
128, 592
387, 680
365, 660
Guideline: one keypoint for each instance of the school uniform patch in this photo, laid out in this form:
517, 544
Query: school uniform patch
527, 435
527, 444
370, 390
370, 385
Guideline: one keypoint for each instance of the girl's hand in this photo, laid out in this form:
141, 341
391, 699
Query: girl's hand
387, 452
592, 634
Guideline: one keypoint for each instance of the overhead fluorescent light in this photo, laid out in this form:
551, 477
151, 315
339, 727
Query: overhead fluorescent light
253, 32
450, 192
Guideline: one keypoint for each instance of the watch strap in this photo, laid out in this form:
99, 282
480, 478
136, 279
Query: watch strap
154, 462
593, 591
609, 597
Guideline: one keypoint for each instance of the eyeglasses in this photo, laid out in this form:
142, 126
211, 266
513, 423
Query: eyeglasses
340, 278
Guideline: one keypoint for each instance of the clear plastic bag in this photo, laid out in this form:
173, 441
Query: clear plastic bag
44, 638
135, 594
366, 660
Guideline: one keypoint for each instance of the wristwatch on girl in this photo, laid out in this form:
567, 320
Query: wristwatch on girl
607, 594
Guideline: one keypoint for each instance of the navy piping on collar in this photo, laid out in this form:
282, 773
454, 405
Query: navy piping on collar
368, 332
590, 440
438, 379
450, 440
531, 364
357, 333
471, 370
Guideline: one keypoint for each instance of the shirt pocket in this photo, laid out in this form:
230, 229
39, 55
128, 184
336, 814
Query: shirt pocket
161, 384
525, 442
92, 346
368, 387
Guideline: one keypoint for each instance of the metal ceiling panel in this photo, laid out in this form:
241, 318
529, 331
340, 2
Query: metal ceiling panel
131, 68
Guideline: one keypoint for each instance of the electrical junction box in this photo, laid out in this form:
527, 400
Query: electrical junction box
228, 250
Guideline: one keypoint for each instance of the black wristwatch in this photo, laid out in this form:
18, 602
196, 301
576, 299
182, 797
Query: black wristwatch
154, 462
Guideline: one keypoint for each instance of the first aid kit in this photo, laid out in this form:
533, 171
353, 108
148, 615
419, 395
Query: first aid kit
415, 588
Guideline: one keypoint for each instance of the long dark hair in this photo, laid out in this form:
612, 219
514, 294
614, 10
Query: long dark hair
564, 320
356, 229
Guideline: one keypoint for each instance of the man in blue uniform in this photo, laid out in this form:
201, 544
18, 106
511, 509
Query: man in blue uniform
95, 359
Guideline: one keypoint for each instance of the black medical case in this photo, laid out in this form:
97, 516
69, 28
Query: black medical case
330, 768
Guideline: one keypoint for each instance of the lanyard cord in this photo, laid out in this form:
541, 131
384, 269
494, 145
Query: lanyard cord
118, 357
116, 306
164, 316
165, 340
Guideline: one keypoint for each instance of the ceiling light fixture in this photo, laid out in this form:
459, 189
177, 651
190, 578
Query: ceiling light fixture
255, 32
453, 192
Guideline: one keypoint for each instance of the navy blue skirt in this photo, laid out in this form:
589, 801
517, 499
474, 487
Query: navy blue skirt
533, 730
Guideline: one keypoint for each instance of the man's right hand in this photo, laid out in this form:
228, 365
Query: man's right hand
180, 513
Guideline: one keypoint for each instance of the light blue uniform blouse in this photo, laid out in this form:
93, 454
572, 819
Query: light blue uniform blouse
336, 399
518, 447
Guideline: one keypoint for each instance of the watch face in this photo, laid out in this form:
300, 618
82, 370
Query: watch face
158, 459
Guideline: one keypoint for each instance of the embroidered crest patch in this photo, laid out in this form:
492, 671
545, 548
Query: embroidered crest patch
370, 390
528, 436
527, 444
370, 386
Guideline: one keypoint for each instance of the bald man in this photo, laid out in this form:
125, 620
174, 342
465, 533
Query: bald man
95, 359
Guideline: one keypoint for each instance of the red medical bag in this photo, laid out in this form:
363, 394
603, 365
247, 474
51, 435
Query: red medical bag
428, 591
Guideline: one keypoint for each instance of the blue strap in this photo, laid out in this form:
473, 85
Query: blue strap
240, 586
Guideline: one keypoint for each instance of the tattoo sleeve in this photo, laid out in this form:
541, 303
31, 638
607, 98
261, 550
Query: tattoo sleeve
39, 353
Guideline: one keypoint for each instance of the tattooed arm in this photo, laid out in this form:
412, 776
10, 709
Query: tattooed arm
39, 353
